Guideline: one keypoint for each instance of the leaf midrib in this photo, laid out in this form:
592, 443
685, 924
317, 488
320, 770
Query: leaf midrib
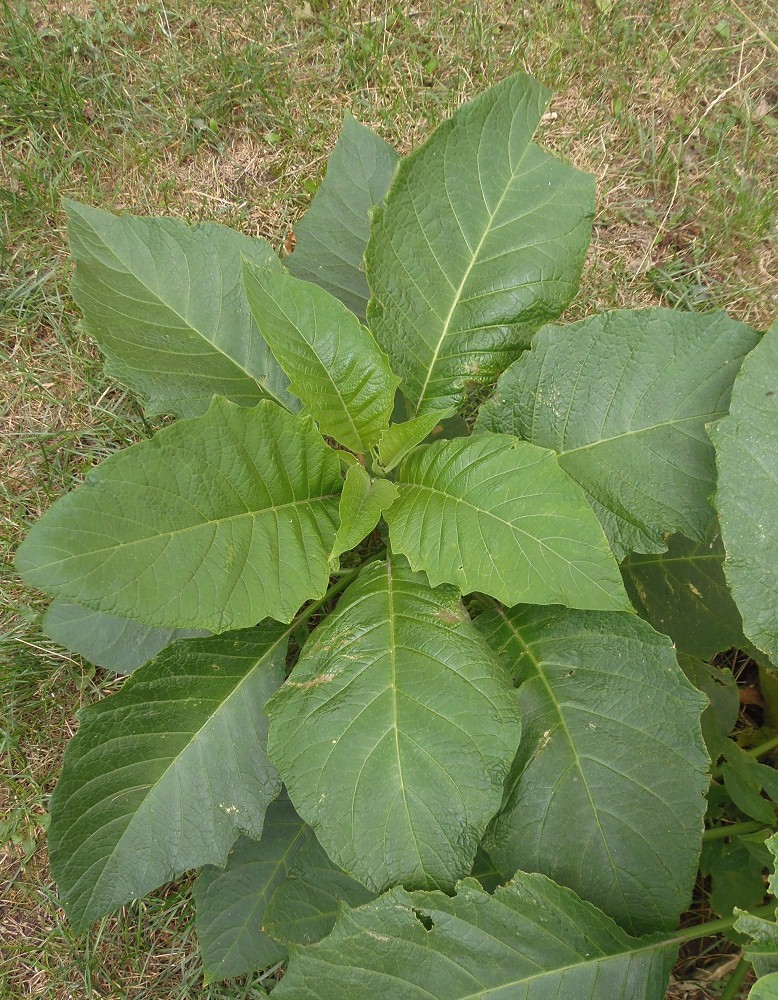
573, 748
291, 849
395, 717
263, 388
458, 291
274, 509
533, 538
704, 417
327, 374
266, 655
626, 952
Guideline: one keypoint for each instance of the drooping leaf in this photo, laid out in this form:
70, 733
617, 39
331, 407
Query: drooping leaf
496, 514
335, 366
606, 794
402, 438
683, 593
624, 399
361, 503
745, 779
305, 904
231, 903
763, 951
161, 776
107, 640
481, 241
531, 940
165, 302
719, 686
215, 523
395, 730
332, 236
747, 495
736, 876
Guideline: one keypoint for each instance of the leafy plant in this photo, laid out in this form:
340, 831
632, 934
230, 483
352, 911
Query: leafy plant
480, 770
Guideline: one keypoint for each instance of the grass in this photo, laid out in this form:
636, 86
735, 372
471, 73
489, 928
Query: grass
225, 110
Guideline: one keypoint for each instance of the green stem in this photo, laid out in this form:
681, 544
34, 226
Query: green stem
736, 980
758, 751
714, 927
762, 748
732, 830
340, 584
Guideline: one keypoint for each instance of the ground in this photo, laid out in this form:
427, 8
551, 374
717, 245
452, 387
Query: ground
227, 111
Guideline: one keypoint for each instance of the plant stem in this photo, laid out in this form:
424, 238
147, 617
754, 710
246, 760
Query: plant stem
732, 830
762, 748
340, 584
714, 927
736, 980
758, 751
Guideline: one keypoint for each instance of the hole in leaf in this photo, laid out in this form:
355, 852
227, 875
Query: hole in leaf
424, 920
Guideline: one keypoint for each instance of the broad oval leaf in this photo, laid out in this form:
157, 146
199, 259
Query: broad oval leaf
163, 775
231, 902
481, 241
165, 302
215, 523
335, 366
361, 504
331, 237
395, 730
531, 940
624, 399
683, 593
747, 458
107, 640
496, 514
304, 906
606, 794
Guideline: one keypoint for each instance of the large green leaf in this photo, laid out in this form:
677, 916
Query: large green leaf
683, 593
531, 940
305, 904
361, 503
606, 794
162, 776
107, 640
165, 302
335, 366
747, 497
496, 514
231, 903
332, 236
481, 240
624, 399
215, 523
395, 731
